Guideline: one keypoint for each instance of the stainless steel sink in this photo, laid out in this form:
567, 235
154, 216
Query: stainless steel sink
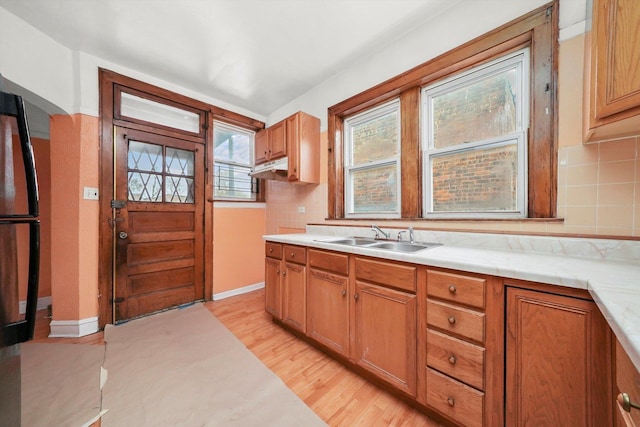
395, 246
403, 246
353, 241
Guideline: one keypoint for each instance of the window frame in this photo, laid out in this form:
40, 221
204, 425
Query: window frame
537, 30
392, 107
220, 124
520, 60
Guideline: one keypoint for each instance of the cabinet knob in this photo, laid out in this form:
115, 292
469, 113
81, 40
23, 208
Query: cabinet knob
451, 401
292, 254
344, 292
270, 250
452, 289
284, 273
452, 319
625, 401
356, 296
452, 359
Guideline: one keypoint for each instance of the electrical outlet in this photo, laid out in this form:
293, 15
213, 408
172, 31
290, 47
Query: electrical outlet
300, 209
90, 193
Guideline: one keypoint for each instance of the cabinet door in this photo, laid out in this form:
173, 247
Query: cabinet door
293, 147
385, 323
272, 287
294, 298
262, 146
277, 140
616, 56
558, 361
627, 381
328, 310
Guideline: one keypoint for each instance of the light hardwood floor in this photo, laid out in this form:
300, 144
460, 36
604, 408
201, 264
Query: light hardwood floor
337, 395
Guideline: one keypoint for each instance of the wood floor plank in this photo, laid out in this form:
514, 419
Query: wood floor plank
336, 394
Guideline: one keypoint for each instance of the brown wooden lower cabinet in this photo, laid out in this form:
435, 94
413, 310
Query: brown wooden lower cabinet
627, 380
477, 350
558, 361
385, 321
328, 310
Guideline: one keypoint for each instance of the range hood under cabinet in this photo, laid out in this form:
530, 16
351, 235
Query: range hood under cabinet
299, 161
275, 169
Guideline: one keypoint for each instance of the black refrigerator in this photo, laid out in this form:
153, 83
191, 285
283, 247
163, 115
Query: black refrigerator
19, 249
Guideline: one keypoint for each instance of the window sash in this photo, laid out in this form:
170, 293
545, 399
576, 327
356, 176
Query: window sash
227, 185
520, 62
351, 169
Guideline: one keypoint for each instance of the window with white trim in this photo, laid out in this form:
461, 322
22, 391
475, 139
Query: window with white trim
233, 159
474, 141
372, 162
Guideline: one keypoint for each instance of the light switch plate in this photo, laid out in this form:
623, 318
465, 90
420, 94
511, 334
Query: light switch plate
300, 209
90, 193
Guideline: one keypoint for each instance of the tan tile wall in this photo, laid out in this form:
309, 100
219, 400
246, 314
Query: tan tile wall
598, 184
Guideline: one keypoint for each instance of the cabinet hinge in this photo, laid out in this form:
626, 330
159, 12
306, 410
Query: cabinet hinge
117, 300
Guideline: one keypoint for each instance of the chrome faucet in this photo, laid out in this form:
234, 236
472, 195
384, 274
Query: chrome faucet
380, 231
412, 237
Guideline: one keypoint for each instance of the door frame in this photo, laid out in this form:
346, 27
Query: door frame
110, 84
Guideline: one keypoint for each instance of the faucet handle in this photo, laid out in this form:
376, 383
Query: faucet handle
400, 234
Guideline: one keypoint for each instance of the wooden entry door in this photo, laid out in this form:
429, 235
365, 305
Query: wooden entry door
158, 216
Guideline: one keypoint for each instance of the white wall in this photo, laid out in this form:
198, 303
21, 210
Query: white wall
59, 80
455, 26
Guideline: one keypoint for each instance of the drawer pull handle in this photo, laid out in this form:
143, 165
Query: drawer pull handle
292, 255
452, 289
626, 403
450, 401
344, 292
452, 359
270, 250
452, 320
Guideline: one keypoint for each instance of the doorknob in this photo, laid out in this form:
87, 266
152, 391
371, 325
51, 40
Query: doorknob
123, 235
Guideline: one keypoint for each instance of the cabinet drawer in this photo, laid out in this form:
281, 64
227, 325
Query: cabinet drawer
330, 261
386, 273
273, 250
462, 360
295, 254
456, 320
457, 288
460, 402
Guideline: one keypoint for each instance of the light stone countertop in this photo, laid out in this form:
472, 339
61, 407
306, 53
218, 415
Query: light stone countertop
612, 279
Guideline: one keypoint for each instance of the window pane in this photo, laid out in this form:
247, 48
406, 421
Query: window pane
162, 114
232, 145
375, 189
476, 181
144, 157
375, 139
481, 110
179, 162
234, 182
144, 187
179, 189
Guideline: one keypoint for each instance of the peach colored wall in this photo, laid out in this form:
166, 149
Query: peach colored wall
74, 239
41, 154
238, 248
598, 184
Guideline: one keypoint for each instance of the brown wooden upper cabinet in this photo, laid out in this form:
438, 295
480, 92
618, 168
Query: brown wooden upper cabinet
298, 138
612, 81
271, 143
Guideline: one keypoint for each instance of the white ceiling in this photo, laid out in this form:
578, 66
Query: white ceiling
256, 54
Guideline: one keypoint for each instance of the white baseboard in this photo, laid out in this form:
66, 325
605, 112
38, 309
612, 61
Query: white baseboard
238, 291
43, 302
73, 328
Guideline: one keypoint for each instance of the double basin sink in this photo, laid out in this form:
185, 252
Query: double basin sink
389, 245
